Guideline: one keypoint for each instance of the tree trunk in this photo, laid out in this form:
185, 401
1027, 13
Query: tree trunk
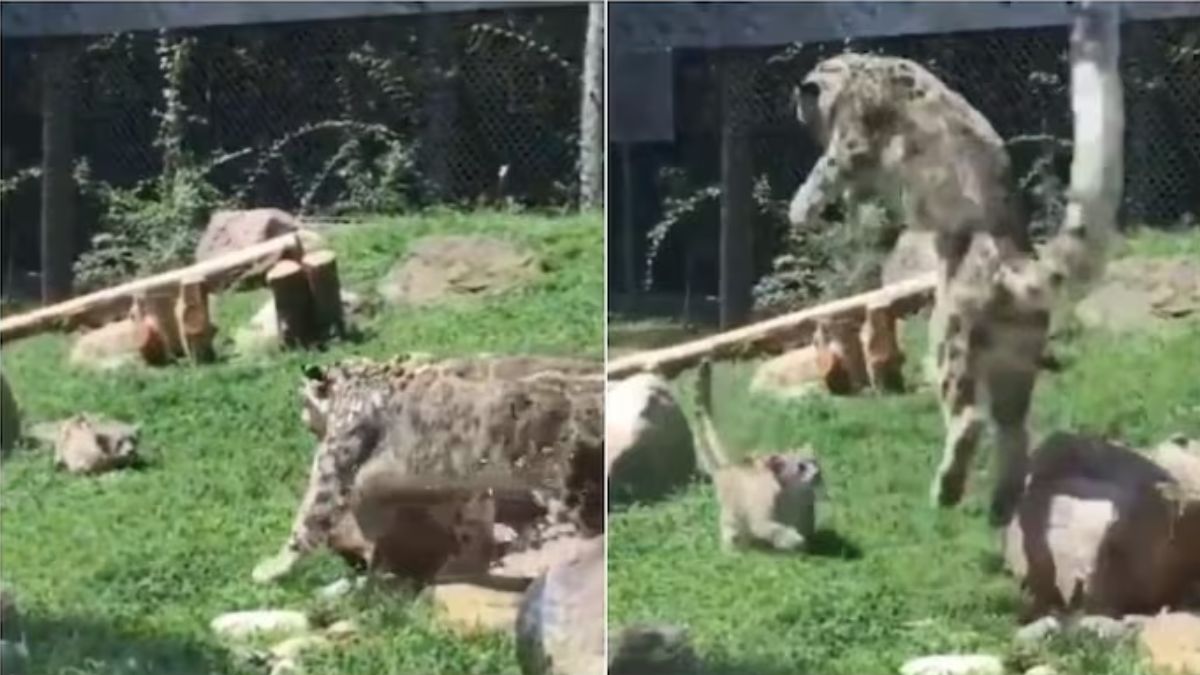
591, 113
628, 230
195, 323
58, 183
294, 306
321, 269
737, 244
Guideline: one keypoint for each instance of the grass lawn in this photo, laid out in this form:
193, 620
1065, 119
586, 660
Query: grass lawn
894, 578
122, 573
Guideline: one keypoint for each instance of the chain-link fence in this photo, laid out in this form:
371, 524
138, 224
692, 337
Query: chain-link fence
319, 118
1019, 80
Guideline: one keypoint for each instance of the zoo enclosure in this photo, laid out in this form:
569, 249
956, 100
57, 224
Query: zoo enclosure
728, 73
319, 117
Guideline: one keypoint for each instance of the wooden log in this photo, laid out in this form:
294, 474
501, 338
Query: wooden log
840, 360
295, 311
195, 323
153, 312
775, 335
105, 305
321, 269
881, 347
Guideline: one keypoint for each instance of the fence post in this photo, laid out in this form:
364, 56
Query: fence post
591, 113
58, 183
737, 243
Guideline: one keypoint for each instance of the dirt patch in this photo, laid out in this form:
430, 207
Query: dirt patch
441, 268
1143, 293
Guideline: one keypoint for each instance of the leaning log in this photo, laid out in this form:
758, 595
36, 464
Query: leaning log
778, 334
105, 305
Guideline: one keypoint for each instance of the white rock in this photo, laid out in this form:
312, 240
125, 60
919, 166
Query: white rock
954, 664
1038, 631
286, 667
1105, 628
240, 625
293, 647
1041, 670
340, 630
335, 590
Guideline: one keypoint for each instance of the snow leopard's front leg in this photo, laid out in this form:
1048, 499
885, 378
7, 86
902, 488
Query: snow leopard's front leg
326, 501
820, 188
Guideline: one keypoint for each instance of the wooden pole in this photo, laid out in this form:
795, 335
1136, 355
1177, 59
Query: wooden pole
294, 306
777, 334
737, 206
321, 269
108, 304
195, 323
58, 183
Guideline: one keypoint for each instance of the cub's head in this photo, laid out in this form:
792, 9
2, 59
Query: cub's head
794, 469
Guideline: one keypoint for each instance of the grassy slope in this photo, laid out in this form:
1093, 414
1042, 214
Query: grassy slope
898, 579
122, 574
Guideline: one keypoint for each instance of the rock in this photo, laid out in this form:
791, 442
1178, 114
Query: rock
644, 649
1041, 670
235, 230
650, 447
89, 444
912, 256
468, 608
534, 562
439, 268
275, 622
286, 667
10, 418
1104, 628
109, 347
1095, 526
293, 647
341, 630
1139, 294
973, 664
335, 590
1038, 631
1171, 643
560, 629
793, 374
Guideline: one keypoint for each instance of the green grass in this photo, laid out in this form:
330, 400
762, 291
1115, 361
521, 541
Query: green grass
122, 573
894, 578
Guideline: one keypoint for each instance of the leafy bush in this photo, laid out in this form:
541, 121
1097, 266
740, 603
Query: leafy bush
145, 229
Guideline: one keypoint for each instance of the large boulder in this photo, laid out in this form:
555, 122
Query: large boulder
792, 374
560, 626
229, 231
111, 346
440, 268
10, 417
649, 443
1140, 294
1105, 529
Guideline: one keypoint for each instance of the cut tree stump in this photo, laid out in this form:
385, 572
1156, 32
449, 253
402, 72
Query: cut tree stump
195, 323
778, 334
321, 269
840, 359
153, 312
881, 347
295, 310
104, 306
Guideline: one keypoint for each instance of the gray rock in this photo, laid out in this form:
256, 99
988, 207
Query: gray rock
650, 450
650, 649
954, 664
560, 625
1038, 631
273, 622
444, 267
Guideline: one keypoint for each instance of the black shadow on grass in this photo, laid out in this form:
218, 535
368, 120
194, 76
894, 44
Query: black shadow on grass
829, 544
65, 644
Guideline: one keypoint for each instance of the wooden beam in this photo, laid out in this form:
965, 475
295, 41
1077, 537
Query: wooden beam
775, 335
110, 303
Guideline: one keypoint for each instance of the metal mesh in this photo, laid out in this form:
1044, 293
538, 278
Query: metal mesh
1019, 80
287, 114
